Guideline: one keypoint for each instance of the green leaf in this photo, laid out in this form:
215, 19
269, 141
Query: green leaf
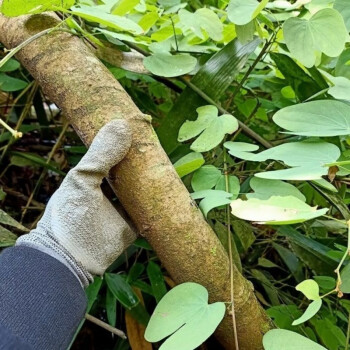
310, 312
233, 185
166, 65
156, 278
10, 84
7, 238
122, 7
278, 339
345, 278
205, 178
310, 289
213, 78
189, 163
121, 290
92, 292
316, 118
324, 32
240, 149
264, 189
211, 199
344, 9
245, 33
212, 129
203, 19
111, 308
275, 211
307, 157
6, 219
94, 14
185, 315
126, 296
13, 8
10, 66
243, 11
342, 67
341, 88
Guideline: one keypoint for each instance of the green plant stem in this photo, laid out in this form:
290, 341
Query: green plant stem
229, 242
347, 335
16, 134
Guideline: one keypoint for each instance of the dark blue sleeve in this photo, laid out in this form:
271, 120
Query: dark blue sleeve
41, 301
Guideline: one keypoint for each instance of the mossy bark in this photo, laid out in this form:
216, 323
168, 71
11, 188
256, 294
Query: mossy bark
145, 181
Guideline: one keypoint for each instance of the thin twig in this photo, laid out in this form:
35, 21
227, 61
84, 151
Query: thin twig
106, 326
229, 240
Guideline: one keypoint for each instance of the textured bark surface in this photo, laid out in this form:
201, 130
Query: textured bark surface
145, 181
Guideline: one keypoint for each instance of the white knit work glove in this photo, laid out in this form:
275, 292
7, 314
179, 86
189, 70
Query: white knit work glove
80, 227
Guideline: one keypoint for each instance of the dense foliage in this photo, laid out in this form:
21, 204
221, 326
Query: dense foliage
250, 100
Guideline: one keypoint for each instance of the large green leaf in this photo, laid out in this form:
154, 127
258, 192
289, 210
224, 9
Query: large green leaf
310, 312
203, 19
213, 78
315, 118
94, 14
264, 189
7, 238
344, 9
345, 278
241, 12
185, 315
165, 64
276, 210
13, 8
324, 32
210, 128
156, 278
282, 339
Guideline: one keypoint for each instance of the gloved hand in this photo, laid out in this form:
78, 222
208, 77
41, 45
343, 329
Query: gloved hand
80, 227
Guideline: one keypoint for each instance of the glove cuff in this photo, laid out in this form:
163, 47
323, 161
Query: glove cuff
50, 245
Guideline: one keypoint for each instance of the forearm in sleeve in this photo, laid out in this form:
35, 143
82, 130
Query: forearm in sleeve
41, 301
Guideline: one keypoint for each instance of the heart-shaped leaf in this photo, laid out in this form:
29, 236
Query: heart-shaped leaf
185, 315
165, 64
212, 129
324, 32
241, 150
315, 118
282, 339
241, 12
275, 211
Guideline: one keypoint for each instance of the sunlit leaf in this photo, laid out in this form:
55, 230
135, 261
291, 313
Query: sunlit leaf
185, 316
243, 11
241, 150
310, 289
275, 211
12, 8
323, 32
282, 339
